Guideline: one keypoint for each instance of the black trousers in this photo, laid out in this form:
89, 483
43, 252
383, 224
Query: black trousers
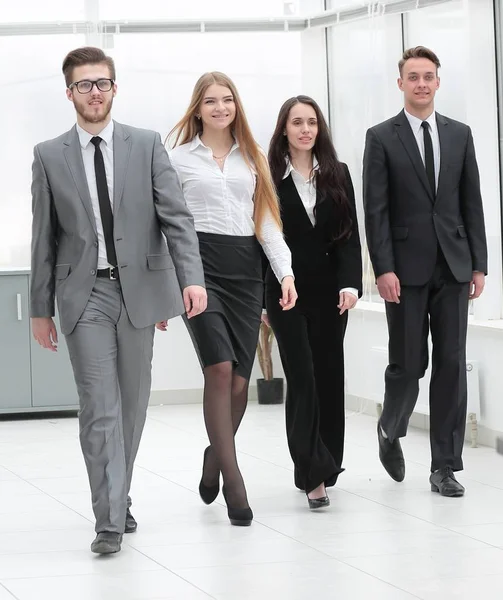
440, 306
310, 340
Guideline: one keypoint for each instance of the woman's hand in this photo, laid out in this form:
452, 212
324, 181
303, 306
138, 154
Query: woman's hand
347, 301
161, 325
289, 293
265, 319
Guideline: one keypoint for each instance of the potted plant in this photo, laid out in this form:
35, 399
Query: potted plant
270, 388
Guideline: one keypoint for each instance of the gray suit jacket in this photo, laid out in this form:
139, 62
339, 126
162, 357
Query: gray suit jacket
148, 202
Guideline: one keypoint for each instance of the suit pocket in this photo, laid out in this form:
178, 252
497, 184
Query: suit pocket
462, 231
62, 271
159, 262
399, 233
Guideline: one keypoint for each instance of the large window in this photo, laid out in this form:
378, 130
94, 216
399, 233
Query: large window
157, 71
461, 32
156, 74
34, 108
363, 92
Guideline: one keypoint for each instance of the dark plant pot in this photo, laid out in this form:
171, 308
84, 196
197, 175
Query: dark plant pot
270, 391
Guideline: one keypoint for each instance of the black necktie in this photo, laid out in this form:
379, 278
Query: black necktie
107, 219
429, 162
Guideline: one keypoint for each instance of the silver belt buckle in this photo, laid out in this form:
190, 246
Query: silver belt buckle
114, 275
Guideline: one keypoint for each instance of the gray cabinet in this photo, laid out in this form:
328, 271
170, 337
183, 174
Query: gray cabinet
32, 378
15, 368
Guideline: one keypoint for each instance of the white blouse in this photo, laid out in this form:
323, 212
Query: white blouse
307, 193
221, 202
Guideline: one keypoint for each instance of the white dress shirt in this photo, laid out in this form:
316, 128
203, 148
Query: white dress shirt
418, 132
106, 147
307, 193
221, 202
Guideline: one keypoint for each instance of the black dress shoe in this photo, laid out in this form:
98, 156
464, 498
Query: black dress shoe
107, 542
208, 493
131, 524
241, 517
444, 482
391, 456
315, 503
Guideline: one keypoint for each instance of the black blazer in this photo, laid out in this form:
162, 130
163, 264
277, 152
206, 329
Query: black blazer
318, 262
404, 222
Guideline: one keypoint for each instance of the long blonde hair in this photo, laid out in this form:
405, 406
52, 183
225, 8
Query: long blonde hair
265, 199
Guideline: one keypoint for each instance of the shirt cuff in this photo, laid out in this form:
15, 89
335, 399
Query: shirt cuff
281, 270
351, 290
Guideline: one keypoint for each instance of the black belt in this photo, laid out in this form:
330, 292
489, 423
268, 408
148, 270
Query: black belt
110, 273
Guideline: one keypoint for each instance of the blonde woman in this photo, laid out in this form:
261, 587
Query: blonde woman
228, 188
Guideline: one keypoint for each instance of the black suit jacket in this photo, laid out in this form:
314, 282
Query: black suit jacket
404, 222
318, 262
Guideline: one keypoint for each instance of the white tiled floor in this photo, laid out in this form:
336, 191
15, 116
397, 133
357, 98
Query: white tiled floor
379, 540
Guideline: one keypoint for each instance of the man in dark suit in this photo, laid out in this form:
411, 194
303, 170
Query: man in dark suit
426, 239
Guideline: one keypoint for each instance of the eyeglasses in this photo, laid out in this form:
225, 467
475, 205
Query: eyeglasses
85, 85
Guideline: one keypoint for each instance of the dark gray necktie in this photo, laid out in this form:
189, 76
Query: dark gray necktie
429, 161
107, 218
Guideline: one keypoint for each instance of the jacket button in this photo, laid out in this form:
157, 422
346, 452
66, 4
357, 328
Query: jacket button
95, 244
434, 214
93, 272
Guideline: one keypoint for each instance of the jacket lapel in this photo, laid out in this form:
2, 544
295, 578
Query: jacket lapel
73, 157
293, 198
409, 142
122, 151
444, 139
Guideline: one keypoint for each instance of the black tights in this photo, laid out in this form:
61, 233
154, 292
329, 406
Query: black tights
224, 404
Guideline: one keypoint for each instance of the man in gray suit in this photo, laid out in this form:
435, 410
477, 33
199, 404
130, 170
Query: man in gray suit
103, 196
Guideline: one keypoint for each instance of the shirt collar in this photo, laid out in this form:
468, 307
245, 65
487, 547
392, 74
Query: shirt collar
290, 169
105, 134
197, 143
415, 122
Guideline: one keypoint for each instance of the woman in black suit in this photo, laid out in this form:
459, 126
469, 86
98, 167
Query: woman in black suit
320, 226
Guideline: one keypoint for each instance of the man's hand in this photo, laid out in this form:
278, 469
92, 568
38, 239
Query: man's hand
44, 331
289, 293
477, 284
195, 300
388, 285
161, 325
347, 300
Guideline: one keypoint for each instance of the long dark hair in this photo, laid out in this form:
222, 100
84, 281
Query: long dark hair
330, 177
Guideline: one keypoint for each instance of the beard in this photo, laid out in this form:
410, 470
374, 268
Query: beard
96, 114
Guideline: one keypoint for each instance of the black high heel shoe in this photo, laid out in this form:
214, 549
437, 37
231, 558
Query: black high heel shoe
208, 493
242, 517
315, 503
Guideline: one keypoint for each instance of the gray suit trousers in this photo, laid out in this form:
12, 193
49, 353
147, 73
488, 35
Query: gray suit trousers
111, 362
